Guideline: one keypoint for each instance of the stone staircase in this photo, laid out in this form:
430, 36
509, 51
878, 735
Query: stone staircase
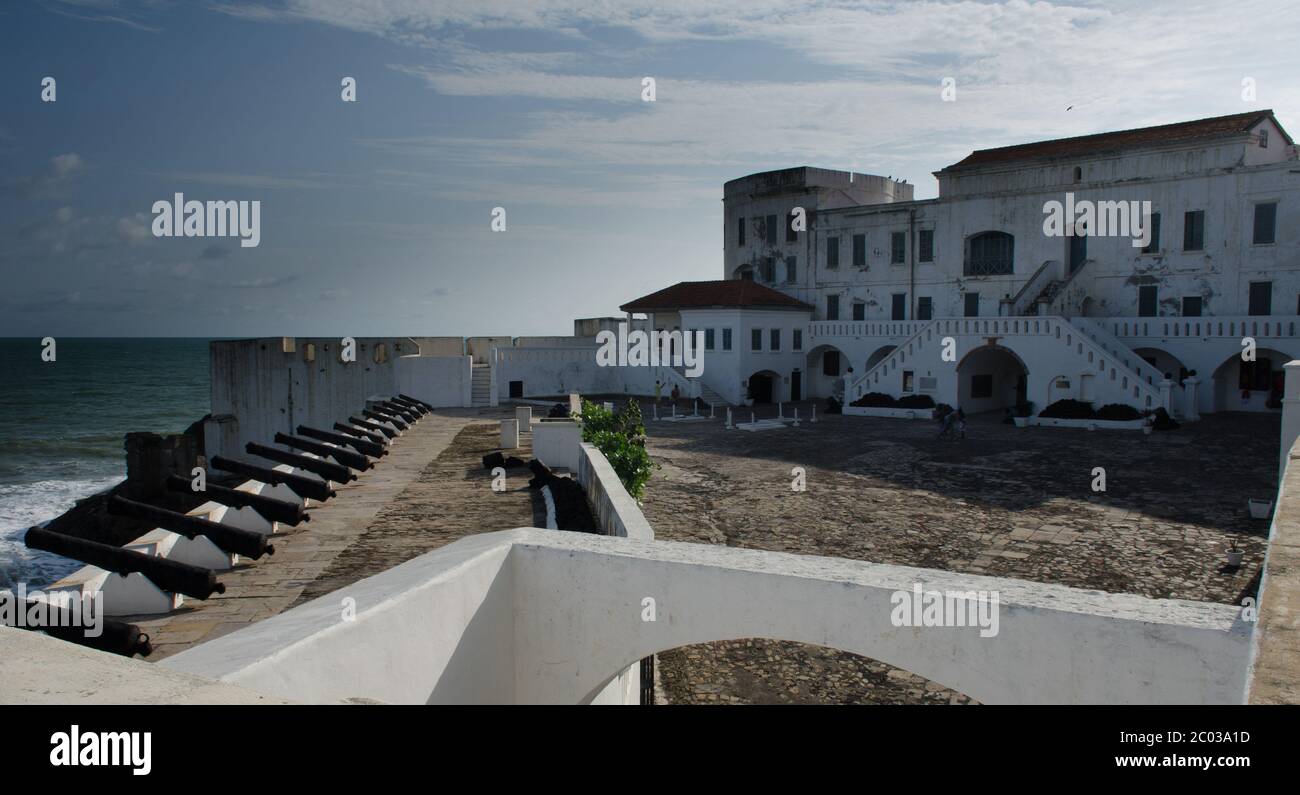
481, 385
711, 397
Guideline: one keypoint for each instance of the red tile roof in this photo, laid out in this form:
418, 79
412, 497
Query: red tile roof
702, 295
1104, 143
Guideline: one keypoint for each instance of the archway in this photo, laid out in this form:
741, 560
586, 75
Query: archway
825, 365
1165, 362
879, 355
1250, 386
991, 378
765, 386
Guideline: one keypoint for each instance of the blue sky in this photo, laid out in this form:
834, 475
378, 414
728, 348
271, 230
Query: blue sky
376, 214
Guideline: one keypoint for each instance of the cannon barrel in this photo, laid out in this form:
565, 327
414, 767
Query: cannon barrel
319, 466
168, 575
282, 511
427, 407
383, 429
302, 486
412, 406
362, 433
409, 415
347, 458
115, 637
396, 422
231, 539
363, 446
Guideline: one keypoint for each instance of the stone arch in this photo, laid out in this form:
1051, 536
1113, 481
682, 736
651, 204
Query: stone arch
991, 378
765, 386
1261, 379
1164, 361
878, 355
819, 382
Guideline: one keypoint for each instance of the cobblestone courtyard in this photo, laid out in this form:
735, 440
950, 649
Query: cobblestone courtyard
1006, 501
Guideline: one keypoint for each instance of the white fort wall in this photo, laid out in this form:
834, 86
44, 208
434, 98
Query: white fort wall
535, 616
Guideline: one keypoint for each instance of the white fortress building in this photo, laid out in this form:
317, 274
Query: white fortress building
874, 280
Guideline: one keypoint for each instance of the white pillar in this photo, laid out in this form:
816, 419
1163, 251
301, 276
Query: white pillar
1167, 395
509, 434
524, 416
1191, 398
1290, 414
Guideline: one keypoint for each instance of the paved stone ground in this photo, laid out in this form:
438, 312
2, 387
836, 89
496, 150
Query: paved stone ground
1005, 502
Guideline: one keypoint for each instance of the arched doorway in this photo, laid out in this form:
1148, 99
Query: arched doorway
764, 387
1250, 386
879, 355
991, 378
825, 365
1166, 363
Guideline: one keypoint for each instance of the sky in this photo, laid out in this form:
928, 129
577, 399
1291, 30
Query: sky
376, 215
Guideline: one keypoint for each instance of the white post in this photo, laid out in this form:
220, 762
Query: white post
674, 409
780, 411
1191, 398
656, 411
753, 418
796, 416
814, 412
1167, 395
730, 425
710, 411
509, 434
1290, 415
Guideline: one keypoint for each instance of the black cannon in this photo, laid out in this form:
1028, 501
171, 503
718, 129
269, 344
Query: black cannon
427, 407
269, 508
115, 637
411, 405
230, 539
168, 575
362, 433
396, 422
388, 432
363, 446
302, 486
408, 416
347, 458
319, 466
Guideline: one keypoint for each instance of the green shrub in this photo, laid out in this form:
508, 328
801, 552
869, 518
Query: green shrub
875, 400
916, 402
1119, 412
1069, 410
621, 438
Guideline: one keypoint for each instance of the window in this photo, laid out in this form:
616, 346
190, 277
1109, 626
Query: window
981, 386
899, 311
790, 234
924, 308
1261, 298
832, 307
726, 339
769, 269
1191, 306
776, 340
832, 252
897, 248
907, 380
791, 269
797, 342
859, 251
831, 363
972, 304
1154, 246
859, 310
1256, 376
1078, 173
1263, 138
925, 245
740, 232
708, 339
770, 229
1194, 230
1265, 223
990, 254
1147, 300
756, 339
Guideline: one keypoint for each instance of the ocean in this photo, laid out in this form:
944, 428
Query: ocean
62, 425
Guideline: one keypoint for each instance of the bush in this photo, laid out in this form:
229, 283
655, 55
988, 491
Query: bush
916, 402
621, 438
876, 400
1118, 412
1069, 410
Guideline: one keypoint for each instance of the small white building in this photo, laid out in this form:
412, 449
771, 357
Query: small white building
862, 276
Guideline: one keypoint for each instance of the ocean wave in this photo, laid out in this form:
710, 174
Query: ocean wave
27, 504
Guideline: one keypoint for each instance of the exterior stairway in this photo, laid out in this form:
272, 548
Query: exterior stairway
481, 385
711, 397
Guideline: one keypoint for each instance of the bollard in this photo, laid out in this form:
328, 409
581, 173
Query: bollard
509, 434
